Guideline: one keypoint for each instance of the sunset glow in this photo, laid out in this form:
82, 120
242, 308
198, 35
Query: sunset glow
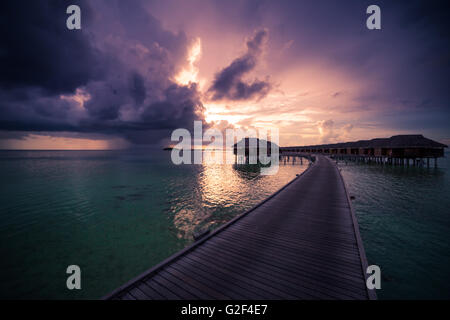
190, 72
136, 73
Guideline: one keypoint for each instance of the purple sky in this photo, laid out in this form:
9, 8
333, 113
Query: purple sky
140, 69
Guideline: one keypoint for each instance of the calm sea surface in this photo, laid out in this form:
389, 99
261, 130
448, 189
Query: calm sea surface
113, 213
117, 213
404, 219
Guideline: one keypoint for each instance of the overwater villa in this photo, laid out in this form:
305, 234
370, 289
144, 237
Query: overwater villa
399, 149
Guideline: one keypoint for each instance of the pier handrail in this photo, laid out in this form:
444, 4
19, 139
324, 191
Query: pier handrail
364, 263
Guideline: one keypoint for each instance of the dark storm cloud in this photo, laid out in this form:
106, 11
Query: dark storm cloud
121, 64
141, 26
37, 51
137, 88
29, 110
229, 83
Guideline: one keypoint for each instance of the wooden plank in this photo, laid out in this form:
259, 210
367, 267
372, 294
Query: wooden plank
320, 287
165, 292
139, 294
150, 292
174, 287
266, 290
127, 296
284, 236
311, 256
255, 271
294, 235
212, 293
198, 294
313, 286
351, 256
234, 290
332, 275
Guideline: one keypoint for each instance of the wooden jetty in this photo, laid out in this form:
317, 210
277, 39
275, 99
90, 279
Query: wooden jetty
411, 149
302, 242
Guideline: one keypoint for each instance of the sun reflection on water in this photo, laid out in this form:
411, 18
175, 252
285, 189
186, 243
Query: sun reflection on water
224, 190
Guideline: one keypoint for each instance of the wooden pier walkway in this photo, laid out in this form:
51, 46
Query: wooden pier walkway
301, 243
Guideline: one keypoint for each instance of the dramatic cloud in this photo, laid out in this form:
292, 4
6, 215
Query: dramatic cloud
113, 77
229, 83
37, 51
139, 69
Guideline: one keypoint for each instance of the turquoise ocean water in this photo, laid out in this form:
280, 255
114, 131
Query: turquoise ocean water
404, 220
117, 213
113, 213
